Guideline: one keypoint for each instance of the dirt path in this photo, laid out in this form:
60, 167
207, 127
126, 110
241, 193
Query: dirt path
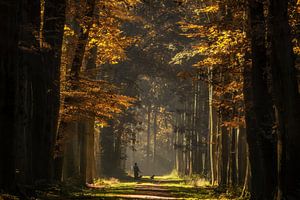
151, 189
154, 191
160, 188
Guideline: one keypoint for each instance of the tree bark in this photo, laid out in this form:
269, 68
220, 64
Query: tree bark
154, 138
9, 11
286, 97
262, 100
148, 136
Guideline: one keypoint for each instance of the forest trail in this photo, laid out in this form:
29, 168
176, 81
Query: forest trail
148, 191
160, 188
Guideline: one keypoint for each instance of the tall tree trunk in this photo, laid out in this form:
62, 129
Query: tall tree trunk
9, 11
70, 165
262, 100
148, 136
211, 126
224, 157
52, 36
286, 97
73, 77
155, 129
255, 154
233, 160
83, 135
107, 142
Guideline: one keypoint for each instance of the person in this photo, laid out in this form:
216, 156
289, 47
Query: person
136, 171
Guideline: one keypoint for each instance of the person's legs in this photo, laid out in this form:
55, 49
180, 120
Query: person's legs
136, 175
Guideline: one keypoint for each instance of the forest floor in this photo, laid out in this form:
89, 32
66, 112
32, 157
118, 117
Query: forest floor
161, 188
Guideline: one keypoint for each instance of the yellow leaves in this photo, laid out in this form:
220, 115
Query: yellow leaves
222, 46
88, 98
184, 55
100, 124
187, 26
209, 9
296, 47
68, 31
209, 61
94, 99
202, 48
109, 39
296, 50
105, 29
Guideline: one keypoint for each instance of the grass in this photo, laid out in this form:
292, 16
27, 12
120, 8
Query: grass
166, 186
181, 188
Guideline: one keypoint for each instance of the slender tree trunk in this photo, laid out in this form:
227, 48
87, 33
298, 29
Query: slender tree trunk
154, 138
224, 157
233, 160
211, 129
148, 136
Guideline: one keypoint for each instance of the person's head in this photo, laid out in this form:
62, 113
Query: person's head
135, 163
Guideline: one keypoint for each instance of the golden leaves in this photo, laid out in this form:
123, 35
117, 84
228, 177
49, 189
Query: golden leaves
208, 9
222, 46
93, 98
88, 98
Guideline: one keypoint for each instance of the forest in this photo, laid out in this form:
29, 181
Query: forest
149, 99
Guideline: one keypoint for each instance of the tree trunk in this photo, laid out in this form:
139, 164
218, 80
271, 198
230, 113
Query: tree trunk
148, 136
255, 154
224, 157
262, 104
286, 97
211, 126
8, 85
107, 143
154, 139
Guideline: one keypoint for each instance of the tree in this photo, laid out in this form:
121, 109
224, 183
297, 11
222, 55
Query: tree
286, 97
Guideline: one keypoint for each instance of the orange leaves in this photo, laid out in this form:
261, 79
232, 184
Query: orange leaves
235, 122
209, 61
222, 44
106, 33
94, 99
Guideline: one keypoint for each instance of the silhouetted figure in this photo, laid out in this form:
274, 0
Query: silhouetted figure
152, 177
136, 171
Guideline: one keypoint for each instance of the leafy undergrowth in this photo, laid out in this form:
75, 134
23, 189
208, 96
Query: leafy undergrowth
162, 187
